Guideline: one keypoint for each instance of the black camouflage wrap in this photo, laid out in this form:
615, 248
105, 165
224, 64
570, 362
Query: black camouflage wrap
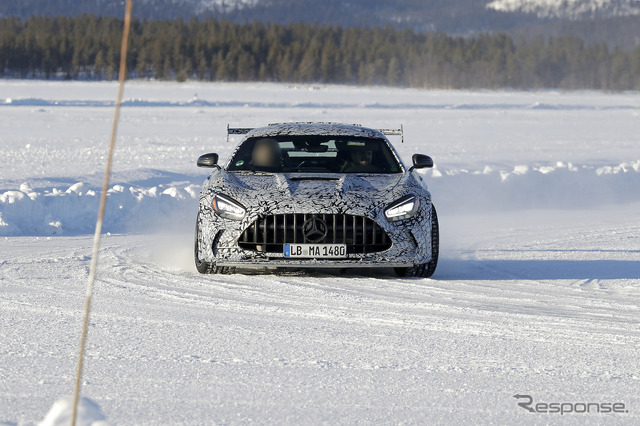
265, 194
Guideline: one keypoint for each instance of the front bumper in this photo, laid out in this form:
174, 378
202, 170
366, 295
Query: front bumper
410, 246
310, 263
410, 242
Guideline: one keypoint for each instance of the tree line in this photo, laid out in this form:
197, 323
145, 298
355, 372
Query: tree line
88, 47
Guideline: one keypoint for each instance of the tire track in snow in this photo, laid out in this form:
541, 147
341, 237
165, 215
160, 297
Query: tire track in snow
481, 305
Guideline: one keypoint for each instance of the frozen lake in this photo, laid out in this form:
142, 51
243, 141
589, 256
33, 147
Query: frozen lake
537, 292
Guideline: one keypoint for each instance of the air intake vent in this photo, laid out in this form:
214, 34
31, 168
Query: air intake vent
270, 233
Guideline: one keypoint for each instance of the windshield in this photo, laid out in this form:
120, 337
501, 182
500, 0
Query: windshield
315, 154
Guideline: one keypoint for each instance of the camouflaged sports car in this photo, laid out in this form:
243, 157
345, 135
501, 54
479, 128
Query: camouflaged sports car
316, 195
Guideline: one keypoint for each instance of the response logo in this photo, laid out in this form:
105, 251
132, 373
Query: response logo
562, 408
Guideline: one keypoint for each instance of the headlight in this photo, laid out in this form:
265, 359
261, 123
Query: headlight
404, 208
227, 207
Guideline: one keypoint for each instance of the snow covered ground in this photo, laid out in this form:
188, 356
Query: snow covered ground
568, 9
537, 292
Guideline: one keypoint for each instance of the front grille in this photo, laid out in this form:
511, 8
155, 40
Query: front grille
270, 233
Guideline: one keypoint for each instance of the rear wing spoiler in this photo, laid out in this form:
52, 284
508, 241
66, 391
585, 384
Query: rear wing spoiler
245, 130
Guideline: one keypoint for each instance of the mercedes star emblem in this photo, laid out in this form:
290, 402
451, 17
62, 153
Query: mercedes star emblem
314, 229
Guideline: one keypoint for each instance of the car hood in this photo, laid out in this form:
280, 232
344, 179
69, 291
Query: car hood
305, 186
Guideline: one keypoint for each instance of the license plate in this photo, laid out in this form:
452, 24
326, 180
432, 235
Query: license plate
316, 251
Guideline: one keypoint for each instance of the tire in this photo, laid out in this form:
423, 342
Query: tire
207, 267
426, 270
202, 266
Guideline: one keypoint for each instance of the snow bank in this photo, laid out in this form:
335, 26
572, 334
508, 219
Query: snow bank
558, 186
196, 102
73, 210
88, 414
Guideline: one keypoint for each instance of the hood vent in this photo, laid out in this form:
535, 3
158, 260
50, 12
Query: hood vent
297, 178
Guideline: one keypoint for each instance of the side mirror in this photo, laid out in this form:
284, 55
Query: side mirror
421, 161
208, 160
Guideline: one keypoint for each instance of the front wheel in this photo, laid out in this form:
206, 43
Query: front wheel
202, 266
425, 270
206, 267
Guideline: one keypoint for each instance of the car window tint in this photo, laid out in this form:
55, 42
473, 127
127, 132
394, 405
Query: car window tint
315, 154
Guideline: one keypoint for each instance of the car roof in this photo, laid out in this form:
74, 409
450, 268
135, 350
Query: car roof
314, 129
